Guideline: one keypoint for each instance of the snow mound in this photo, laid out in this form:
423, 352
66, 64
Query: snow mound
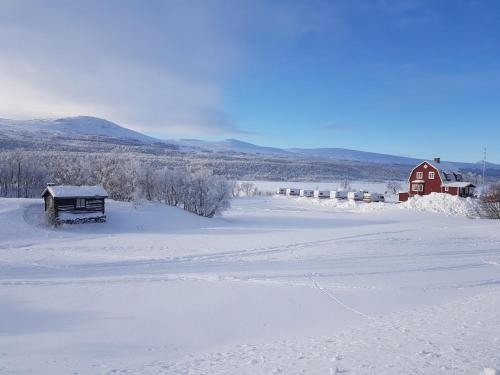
441, 203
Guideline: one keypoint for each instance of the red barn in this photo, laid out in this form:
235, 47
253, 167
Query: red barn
427, 178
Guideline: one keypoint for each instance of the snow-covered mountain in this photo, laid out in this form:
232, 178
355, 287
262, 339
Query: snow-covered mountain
337, 154
69, 127
84, 133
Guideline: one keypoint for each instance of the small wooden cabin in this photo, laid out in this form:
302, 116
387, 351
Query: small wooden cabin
75, 204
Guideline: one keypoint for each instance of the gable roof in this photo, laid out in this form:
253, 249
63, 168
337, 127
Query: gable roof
446, 172
432, 165
449, 176
70, 191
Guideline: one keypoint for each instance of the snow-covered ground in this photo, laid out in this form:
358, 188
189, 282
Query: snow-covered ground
276, 285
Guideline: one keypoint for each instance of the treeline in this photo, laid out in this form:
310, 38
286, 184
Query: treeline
25, 174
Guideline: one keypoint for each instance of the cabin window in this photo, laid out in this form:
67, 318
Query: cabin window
80, 203
420, 175
417, 187
432, 175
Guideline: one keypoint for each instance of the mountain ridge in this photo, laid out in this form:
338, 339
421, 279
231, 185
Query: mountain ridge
88, 128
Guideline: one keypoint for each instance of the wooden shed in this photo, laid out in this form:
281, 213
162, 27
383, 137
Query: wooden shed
75, 204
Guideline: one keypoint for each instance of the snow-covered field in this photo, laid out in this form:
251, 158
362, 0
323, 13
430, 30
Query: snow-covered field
276, 285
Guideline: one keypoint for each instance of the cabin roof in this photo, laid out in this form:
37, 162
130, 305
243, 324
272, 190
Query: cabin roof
69, 191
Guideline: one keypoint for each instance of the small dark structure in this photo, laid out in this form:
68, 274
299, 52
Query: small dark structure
75, 204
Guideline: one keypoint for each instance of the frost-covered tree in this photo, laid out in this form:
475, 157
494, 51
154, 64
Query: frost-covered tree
235, 189
249, 189
170, 186
490, 202
206, 194
345, 184
145, 181
393, 187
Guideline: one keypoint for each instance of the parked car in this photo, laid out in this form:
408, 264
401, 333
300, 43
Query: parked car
322, 194
373, 197
356, 195
338, 194
306, 193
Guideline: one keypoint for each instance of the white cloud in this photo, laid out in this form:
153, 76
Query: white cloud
156, 66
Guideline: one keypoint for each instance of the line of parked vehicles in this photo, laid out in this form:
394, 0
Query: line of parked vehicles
361, 195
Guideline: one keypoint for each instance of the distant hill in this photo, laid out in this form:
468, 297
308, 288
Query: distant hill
228, 145
69, 127
91, 134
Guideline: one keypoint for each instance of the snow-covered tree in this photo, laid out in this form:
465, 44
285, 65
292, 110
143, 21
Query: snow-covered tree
393, 187
490, 202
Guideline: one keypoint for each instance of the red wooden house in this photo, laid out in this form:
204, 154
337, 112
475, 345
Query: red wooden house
427, 178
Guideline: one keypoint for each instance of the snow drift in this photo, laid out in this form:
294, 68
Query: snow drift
441, 203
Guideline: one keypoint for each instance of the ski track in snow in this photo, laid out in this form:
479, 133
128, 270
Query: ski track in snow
386, 291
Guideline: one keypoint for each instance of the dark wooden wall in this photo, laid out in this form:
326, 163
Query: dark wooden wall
69, 205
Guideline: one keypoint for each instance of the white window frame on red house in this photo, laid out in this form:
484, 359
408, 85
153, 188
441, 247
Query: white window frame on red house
432, 175
420, 175
447, 189
417, 187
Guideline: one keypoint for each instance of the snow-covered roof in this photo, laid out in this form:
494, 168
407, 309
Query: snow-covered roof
69, 191
458, 184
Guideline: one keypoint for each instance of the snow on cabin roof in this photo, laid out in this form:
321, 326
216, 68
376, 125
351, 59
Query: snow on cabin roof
69, 191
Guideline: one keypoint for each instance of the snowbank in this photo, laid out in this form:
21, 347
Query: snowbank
441, 203
342, 204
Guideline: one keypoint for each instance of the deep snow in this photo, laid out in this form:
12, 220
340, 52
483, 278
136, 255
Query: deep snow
276, 285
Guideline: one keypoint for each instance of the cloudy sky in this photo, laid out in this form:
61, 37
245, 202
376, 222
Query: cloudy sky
417, 78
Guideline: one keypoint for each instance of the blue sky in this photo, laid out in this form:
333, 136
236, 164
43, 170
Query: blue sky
415, 78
